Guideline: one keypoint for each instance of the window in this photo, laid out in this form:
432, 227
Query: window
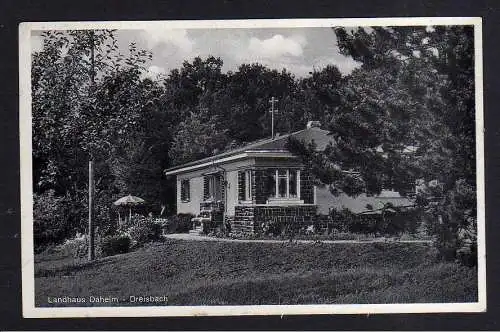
248, 185
185, 191
286, 183
282, 183
245, 185
214, 187
292, 181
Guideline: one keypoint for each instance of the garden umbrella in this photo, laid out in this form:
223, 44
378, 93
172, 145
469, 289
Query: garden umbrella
129, 201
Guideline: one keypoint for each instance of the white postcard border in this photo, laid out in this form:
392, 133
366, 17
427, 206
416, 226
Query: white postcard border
25, 127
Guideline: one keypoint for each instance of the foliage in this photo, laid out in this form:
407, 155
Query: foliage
143, 230
77, 247
179, 223
113, 245
406, 114
55, 218
47, 219
455, 210
197, 137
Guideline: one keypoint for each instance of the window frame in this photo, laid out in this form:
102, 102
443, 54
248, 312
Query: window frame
185, 190
248, 185
287, 198
247, 182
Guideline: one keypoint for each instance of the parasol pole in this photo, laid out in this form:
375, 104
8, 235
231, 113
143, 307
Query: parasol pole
129, 213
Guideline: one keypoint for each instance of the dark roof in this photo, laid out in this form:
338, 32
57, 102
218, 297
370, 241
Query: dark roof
321, 138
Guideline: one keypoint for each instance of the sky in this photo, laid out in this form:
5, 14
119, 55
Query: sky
298, 50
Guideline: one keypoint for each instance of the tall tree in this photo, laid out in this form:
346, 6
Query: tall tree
407, 114
69, 76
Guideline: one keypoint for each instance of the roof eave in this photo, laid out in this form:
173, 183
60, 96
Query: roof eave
246, 154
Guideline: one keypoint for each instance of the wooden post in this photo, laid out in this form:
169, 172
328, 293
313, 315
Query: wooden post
91, 210
91, 160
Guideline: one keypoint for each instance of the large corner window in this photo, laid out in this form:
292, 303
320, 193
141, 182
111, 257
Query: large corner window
185, 191
286, 185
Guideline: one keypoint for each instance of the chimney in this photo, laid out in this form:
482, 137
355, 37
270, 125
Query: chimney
313, 124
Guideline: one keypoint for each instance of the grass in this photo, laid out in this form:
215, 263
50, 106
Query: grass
227, 273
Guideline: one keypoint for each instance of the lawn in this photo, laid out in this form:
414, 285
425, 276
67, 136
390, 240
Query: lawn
231, 273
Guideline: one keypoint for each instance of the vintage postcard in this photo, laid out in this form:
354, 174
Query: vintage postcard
249, 167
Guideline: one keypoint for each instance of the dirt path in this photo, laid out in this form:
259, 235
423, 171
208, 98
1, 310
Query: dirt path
194, 237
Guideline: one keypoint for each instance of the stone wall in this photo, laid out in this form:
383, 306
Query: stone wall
306, 187
243, 221
249, 219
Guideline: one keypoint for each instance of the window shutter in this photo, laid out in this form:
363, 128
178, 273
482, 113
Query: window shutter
205, 188
241, 185
183, 194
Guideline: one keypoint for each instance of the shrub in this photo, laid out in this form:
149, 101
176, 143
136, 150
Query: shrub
179, 223
467, 245
272, 227
77, 247
342, 220
144, 230
452, 220
56, 217
47, 218
113, 245
210, 227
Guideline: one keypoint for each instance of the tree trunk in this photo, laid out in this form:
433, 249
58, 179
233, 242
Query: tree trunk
91, 210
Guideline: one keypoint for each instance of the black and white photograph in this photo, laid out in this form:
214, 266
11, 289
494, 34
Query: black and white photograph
244, 167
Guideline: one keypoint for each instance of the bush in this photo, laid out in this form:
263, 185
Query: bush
77, 247
179, 223
56, 217
387, 223
144, 230
113, 245
49, 219
452, 220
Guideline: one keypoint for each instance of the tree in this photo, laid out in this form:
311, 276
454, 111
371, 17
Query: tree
197, 137
70, 75
407, 113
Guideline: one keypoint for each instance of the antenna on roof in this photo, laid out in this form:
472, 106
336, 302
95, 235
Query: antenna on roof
272, 101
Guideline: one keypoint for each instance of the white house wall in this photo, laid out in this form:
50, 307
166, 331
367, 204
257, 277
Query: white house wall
196, 186
196, 196
232, 191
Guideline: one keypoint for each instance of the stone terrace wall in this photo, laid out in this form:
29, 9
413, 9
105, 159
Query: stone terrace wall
249, 219
306, 187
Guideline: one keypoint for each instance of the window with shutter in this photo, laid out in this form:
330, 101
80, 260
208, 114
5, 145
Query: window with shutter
206, 190
185, 191
245, 186
241, 185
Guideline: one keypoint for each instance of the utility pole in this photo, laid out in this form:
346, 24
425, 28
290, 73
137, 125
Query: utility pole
272, 101
91, 157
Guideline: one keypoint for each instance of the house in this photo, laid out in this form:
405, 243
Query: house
259, 182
